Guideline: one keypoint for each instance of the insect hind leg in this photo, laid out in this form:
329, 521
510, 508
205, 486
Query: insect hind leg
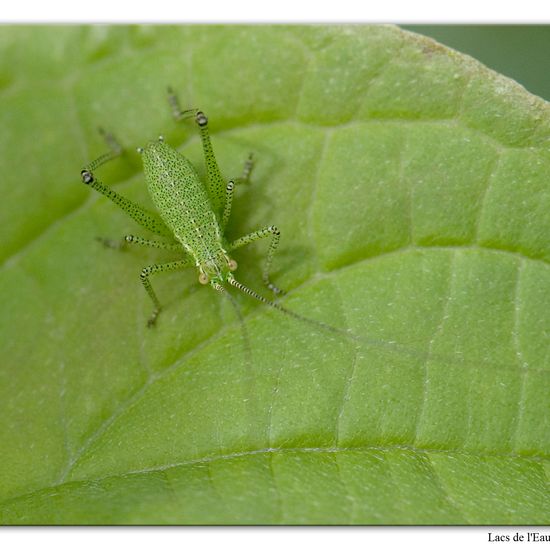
115, 150
215, 185
177, 112
146, 219
247, 170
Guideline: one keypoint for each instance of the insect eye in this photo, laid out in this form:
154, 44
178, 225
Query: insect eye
87, 177
161, 138
139, 150
204, 279
232, 265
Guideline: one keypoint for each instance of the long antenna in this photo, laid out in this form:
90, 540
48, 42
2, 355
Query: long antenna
389, 346
275, 305
246, 339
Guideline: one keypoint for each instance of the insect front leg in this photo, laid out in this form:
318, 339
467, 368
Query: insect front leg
146, 272
257, 235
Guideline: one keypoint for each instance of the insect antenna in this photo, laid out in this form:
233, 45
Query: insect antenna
244, 331
290, 313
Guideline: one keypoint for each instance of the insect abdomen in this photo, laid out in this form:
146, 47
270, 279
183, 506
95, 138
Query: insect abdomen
180, 197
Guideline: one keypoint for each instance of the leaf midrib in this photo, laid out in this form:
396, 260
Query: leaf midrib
216, 335
427, 451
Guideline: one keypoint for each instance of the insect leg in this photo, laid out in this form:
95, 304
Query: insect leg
140, 215
153, 244
119, 244
132, 239
177, 112
146, 272
247, 170
257, 235
228, 202
244, 178
214, 181
146, 219
115, 150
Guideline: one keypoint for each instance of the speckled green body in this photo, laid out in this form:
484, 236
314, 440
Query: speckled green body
191, 213
184, 205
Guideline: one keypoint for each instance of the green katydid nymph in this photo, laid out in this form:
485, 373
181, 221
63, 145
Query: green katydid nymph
193, 215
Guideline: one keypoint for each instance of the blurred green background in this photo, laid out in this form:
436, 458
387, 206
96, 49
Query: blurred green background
521, 52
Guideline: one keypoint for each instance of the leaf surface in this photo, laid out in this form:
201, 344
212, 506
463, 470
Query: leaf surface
411, 186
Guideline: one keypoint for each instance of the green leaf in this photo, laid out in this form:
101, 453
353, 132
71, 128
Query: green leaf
412, 189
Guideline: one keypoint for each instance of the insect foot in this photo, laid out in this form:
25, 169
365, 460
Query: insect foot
275, 289
152, 321
111, 243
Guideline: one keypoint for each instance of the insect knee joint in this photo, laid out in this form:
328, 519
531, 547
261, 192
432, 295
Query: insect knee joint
87, 177
201, 119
